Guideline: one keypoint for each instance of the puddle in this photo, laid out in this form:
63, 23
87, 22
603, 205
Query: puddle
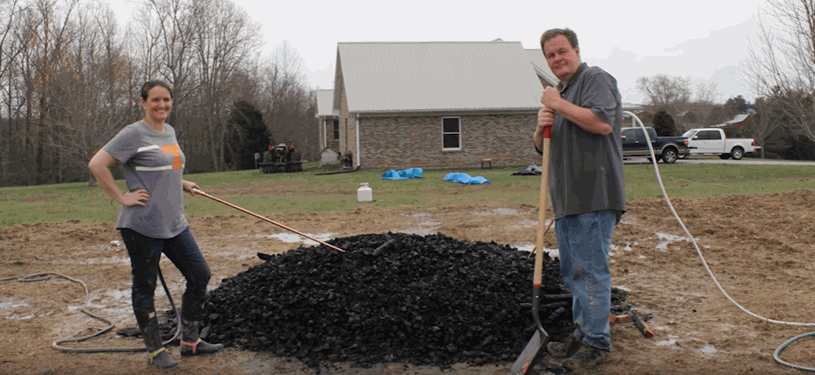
708, 349
529, 247
110, 260
425, 227
497, 211
12, 304
19, 317
526, 223
670, 343
296, 238
666, 239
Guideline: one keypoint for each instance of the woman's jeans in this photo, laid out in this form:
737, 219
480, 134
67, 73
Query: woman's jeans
583, 242
145, 253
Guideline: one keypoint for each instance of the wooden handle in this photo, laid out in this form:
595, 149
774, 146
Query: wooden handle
547, 140
198, 191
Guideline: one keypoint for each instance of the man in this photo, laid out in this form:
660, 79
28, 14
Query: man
587, 189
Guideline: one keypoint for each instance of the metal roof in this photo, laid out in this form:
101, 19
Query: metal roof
325, 103
541, 66
737, 121
437, 76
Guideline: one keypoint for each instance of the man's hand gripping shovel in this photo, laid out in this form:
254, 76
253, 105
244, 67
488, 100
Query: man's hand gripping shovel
536, 347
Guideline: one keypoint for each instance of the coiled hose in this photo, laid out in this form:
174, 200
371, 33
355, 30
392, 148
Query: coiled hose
58, 343
777, 352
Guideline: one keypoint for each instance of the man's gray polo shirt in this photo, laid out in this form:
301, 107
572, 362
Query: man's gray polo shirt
586, 169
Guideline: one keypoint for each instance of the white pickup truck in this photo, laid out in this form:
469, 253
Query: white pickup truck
713, 141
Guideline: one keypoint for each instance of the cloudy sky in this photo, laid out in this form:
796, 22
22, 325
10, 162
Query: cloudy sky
705, 40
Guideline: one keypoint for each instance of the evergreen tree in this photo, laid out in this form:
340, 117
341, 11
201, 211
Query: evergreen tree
247, 135
664, 123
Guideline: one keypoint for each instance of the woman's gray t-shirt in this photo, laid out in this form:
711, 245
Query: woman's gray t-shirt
152, 161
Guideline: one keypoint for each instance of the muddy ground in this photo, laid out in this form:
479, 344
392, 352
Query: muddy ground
760, 247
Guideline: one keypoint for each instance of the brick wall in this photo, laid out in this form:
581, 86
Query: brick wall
408, 141
326, 132
399, 142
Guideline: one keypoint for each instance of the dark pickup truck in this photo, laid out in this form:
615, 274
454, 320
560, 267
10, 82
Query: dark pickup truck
666, 148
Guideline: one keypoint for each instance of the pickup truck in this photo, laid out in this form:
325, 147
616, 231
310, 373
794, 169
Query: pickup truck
666, 148
713, 141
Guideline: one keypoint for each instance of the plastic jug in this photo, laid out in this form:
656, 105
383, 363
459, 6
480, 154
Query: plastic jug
364, 193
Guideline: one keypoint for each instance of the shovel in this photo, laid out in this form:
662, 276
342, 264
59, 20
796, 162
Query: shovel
536, 347
197, 191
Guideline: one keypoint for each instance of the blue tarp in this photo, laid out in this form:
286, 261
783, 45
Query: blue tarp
464, 178
391, 174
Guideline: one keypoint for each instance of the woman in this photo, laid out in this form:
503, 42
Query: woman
151, 220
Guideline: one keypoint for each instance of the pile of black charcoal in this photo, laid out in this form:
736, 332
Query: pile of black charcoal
424, 300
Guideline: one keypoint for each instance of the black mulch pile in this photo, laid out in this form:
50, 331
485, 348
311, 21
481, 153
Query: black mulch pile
393, 297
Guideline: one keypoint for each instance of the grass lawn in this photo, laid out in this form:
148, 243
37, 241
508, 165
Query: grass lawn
308, 192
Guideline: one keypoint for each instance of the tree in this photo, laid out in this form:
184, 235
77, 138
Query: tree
664, 91
706, 94
247, 135
767, 119
781, 61
9, 50
224, 39
289, 109
728, 110
92, 92
664, 123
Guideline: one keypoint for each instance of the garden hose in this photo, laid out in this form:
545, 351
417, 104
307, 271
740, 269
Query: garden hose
58, 343
783, 346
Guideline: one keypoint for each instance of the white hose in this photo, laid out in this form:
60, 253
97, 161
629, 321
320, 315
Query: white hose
707, 268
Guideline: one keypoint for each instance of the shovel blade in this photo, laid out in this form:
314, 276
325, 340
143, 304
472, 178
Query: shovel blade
532, 354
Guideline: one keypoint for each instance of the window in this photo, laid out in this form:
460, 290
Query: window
451, 133
710, 135
336, 130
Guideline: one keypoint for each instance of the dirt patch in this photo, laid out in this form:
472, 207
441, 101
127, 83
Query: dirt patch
759, 247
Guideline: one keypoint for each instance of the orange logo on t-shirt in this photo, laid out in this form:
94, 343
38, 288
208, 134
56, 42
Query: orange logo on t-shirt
175, 150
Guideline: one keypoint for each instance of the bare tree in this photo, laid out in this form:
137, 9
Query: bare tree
289, 103
173, 24
663, 90
767, 119
48, 33
93, 101
782, 62
8, 54
225, 36
707, 94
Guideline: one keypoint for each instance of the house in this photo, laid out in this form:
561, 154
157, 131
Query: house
435, 104
640, 111
737, 121
328, 120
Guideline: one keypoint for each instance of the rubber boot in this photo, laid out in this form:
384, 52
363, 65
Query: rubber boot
191, 343
157, 355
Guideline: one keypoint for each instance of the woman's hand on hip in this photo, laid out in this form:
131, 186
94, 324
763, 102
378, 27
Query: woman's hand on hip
135, 198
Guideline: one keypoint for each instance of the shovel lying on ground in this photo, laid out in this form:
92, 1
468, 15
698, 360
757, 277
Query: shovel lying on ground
536, 347
197, 191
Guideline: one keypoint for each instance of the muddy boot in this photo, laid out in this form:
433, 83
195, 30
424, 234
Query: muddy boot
191, 343
565, 348
157, 355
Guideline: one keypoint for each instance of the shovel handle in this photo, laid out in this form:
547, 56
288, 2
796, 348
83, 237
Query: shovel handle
547, 141
198, 191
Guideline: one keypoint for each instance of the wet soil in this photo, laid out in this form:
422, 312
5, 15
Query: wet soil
759, 247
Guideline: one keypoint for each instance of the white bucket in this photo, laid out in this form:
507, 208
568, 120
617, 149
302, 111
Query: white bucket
364, 193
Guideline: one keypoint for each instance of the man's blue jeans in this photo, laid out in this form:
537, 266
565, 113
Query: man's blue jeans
145, 253
583, 242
